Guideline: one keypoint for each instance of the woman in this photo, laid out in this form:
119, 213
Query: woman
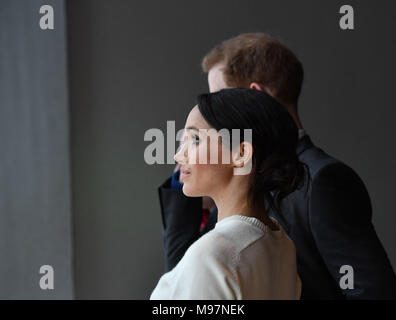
247, 255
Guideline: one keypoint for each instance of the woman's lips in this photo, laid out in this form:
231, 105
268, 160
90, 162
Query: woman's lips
183, 174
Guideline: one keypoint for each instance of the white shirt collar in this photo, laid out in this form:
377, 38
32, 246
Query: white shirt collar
301, 133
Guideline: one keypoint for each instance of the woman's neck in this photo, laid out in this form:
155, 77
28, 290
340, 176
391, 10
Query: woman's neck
232, 200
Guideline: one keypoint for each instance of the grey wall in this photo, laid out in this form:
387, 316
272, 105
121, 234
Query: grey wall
35, 206
135, 64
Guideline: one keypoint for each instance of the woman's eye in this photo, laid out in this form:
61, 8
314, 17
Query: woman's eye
195, 139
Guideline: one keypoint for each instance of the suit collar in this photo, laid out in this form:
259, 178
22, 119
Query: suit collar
303, 144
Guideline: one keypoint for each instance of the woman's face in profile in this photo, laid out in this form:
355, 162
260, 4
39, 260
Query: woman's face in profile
200, 143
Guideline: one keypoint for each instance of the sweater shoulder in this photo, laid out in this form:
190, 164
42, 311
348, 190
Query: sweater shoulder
226, 242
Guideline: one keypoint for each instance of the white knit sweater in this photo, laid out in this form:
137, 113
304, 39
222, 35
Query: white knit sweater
241, 258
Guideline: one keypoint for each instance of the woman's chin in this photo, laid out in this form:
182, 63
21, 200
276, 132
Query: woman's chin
188, 191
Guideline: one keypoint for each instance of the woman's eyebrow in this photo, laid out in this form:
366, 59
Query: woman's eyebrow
192, 128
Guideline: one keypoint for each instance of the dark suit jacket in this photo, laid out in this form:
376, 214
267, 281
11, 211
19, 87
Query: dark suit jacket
330, 225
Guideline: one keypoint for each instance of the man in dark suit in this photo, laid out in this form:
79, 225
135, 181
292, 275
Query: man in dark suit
339, 255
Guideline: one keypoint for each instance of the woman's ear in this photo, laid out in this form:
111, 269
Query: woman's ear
242, 156
242, 159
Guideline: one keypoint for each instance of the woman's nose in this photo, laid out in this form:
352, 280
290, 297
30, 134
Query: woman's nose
180, 156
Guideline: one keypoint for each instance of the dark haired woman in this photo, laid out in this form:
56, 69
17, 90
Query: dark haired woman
247, 255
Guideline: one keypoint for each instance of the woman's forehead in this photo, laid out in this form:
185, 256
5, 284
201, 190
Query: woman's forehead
196, 120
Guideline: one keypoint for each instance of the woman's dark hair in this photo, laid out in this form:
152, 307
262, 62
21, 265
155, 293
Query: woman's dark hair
276, 169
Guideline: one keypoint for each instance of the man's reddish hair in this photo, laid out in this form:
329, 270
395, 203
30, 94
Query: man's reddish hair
257, 57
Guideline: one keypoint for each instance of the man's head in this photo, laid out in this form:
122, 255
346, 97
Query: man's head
257, 61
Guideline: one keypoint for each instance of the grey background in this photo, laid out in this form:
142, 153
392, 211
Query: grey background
35, 204
134, 65
129, 66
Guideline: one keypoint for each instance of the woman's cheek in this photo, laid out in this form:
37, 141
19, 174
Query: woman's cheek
203, 153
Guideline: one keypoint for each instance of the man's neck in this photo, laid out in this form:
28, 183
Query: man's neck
292, 109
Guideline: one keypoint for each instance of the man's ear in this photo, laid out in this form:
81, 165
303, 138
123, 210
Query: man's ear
260, 87
256, 86
242, 156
